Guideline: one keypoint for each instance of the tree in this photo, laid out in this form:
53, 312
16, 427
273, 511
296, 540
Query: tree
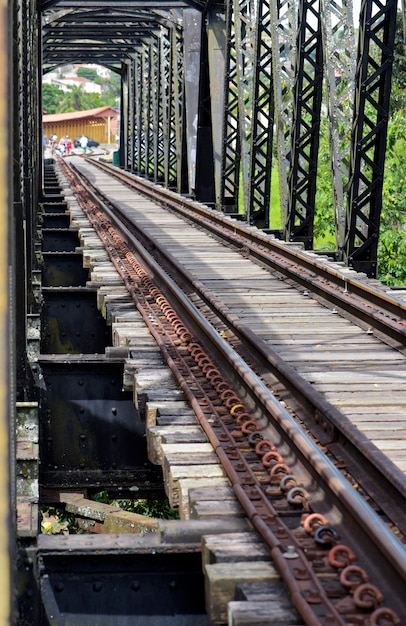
392, 239
51, 98
87, 72
76, 99
111, 89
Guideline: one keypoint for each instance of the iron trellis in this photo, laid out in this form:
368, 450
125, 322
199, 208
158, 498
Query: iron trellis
305, 125
273, 67
339, 71
368, 146
231, 149
262, 121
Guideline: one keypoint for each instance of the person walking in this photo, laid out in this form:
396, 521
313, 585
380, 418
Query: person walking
83, 143
68, 143
52, 142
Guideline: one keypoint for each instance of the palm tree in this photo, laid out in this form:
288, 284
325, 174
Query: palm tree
72, 100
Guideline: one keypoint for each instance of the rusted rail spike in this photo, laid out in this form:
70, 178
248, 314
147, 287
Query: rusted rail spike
307, 592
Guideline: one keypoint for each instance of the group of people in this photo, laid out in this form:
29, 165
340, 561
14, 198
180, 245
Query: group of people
65, 144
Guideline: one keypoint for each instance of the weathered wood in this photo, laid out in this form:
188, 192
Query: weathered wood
200, 493
155, 408
177, 472
261, 614
198, 436
156, 394
258, 592
187, 484
199, 456
221, 580
156, 435
216, 508
99, 517
235, 547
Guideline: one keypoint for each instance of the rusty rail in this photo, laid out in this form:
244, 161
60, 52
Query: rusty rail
262, 479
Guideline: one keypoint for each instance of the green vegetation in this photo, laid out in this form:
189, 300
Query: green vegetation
76, 99
392, 240
87, 72
55, 100
51, 98
149, 507
57, 521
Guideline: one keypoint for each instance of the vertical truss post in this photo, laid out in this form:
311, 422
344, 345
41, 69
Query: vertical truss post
192, 34
161, 109
262, 120
204, 180
368, 147
138, 83
243, 26
8, 356
231, 151
339, 67
124, 130
172, 93
166, 96
29, 137
156, 115
146, 108
217, 42
306, 124
121, 129
131, 112
283, 26
19, 143
178, 119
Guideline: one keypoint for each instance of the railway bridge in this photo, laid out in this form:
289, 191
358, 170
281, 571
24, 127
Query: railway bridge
222, 105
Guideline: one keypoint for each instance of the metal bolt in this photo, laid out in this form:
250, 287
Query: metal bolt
290, 553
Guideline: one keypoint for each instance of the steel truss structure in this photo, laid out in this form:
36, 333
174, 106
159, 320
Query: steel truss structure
243, 86
224, 101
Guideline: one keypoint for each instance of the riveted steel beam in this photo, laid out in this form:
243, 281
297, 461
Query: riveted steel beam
339, 71
305, 125
368, 147
262, 122
283, 27
217, 53
192, 27
231, 150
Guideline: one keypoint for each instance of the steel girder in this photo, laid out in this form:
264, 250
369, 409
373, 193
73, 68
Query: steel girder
270, 67
192, 28
305, 124
339, 72
248, 125
216, 37
231, 148
26, 147
260, 167
283, 24
368, 147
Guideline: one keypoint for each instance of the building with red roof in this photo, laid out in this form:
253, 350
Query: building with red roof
99, 124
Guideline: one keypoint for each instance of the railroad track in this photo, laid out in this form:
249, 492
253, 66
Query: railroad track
253, 405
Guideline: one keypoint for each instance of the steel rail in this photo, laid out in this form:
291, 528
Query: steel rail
374, 471
333, 282
367, 529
